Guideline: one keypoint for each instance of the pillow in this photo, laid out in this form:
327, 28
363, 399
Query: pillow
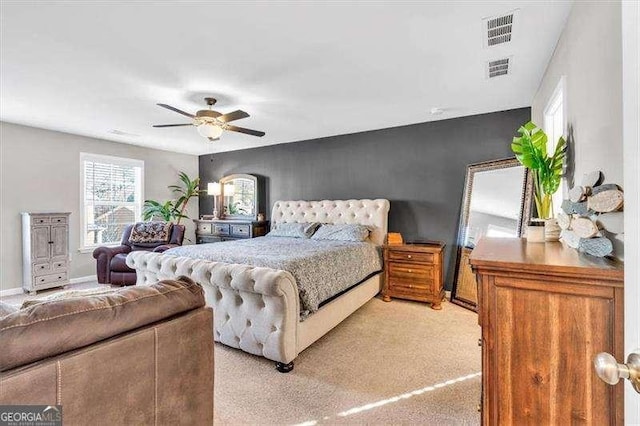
294, 230
69, 294
150, 232
343, 232
6, 309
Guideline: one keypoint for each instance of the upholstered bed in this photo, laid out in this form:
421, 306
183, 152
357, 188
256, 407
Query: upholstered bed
257, 309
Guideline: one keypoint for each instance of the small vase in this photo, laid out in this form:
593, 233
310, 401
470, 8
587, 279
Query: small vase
552, 230
535, 231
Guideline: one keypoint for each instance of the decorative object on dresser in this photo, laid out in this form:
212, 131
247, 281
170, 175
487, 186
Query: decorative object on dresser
530, 149
591, 214
496, 201
546, 311
45, 250
214, 231
414, 271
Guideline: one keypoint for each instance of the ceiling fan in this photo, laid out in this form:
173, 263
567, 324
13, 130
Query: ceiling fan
210, 123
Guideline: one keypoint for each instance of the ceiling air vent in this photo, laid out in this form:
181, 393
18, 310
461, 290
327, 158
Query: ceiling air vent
499, 29
498, 67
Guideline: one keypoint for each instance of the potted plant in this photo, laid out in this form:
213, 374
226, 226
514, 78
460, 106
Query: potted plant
173, 209
530, 149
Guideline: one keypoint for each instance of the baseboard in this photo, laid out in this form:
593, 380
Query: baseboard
18, 290
11, 292
83, 279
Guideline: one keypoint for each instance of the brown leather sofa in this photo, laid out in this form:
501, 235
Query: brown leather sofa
111, 265
141, 355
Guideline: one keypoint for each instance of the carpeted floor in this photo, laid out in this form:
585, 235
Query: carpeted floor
398, 363
388, 363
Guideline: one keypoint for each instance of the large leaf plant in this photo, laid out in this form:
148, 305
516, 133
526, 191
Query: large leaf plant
530, 149
173, 209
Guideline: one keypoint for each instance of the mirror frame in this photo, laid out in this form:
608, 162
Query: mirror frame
229, 178
524, 216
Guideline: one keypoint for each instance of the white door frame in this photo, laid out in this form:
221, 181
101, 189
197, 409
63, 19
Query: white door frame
631, 142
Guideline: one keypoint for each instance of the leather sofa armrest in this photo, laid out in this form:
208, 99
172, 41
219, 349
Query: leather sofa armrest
110, 251
165, 247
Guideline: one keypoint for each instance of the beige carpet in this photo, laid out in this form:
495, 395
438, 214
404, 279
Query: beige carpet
388, 363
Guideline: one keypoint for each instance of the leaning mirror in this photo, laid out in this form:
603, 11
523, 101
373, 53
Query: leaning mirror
239, 196
496, 203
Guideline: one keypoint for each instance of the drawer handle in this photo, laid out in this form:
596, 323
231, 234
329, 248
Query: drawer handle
42, 267
410, 271
409, 256
480, 342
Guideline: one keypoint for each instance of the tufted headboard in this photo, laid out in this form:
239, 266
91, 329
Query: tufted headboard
372, 213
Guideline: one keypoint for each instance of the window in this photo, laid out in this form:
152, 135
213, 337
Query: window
554, 127
111, 197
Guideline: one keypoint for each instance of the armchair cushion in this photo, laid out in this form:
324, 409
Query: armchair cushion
119, 263
165, 247
51, 328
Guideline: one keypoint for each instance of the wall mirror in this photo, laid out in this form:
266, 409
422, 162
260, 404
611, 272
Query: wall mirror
496, 203
239, 196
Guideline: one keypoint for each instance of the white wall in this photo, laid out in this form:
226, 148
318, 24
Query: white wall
589, 54
40, 171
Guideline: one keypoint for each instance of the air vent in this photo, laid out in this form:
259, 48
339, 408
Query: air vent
498, 67
499, 29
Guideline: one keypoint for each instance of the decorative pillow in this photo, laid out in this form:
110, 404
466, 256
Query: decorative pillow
343, 232
294, 230
150, 232
6, 309
69, 294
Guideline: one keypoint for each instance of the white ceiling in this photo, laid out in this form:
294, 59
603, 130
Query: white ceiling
302, 70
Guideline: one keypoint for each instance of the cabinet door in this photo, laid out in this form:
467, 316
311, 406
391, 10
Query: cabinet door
40, 247
59, 236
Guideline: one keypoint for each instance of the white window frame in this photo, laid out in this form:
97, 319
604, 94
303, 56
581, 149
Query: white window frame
85, 156
558, 99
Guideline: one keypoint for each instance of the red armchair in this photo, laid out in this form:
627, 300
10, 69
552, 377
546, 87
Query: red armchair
111, 265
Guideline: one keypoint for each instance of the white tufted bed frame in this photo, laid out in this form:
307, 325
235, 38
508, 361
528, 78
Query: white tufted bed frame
257, 309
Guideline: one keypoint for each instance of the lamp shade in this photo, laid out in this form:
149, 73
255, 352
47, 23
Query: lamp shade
213, 188
229, 189
209, 130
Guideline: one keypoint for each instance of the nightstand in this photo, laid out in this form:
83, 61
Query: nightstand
414, 271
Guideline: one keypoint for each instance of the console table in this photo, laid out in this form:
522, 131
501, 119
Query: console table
213, 231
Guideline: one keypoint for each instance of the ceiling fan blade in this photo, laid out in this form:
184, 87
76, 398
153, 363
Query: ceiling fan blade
235, 115
172, 125
174, 109
243, 130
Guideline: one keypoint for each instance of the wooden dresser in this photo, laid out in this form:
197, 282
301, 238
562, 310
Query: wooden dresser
414, 271
213, 231
546, 311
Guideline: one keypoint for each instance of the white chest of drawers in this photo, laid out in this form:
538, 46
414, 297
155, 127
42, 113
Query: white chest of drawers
45, 250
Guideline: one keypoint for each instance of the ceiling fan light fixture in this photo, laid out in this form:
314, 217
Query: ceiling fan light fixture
210, 130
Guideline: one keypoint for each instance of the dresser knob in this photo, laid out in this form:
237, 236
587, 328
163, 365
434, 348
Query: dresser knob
409, 256
479, 342
410, 271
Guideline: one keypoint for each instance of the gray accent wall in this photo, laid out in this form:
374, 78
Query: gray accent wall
420, 168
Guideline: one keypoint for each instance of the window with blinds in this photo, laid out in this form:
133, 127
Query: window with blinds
111, 197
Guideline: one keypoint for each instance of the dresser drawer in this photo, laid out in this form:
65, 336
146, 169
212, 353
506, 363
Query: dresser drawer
59, 219
410, 291
59, 266
204, 228
409, 285
39, 220
220, 229
41, 269
48, 279
241, 230
411, 256
410, 271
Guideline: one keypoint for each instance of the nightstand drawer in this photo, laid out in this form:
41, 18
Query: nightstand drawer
411, 256
240, 230
407, 285
204, 228
410, 271
220, 229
